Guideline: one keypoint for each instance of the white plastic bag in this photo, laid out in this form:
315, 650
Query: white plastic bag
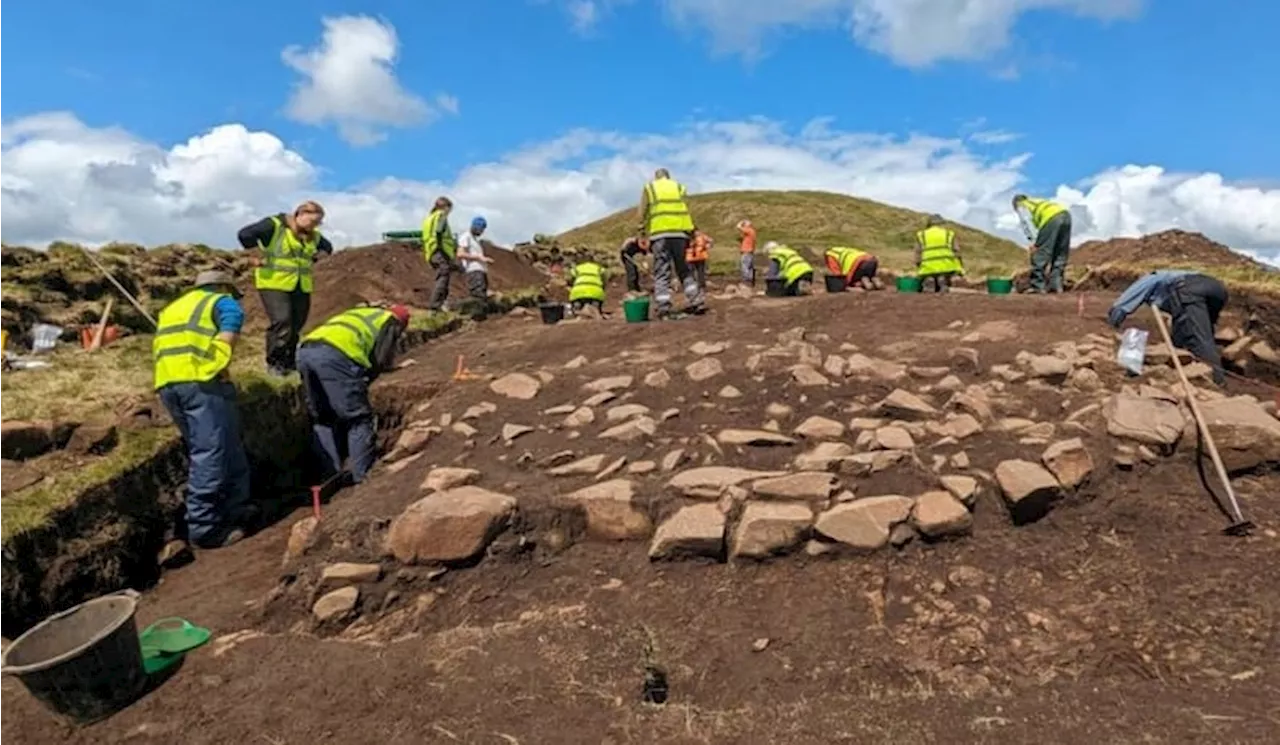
44, 337
1133, 350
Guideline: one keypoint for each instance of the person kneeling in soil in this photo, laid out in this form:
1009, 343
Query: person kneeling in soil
857, 267
1194, 300
474, 266
586, 293
937, 255
192, 348
338, 360
787, 264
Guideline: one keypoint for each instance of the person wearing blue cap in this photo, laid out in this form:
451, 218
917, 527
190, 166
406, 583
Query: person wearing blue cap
474, 262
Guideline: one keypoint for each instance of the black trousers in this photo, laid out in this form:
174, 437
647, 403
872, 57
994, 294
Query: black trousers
1196, 303
286, 314
440, 292
628, 256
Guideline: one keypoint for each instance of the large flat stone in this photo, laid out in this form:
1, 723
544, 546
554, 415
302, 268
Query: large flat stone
449, 526
611, 510
807, 485
693, 531
1029, 490
770, 529
864, 523
711, 481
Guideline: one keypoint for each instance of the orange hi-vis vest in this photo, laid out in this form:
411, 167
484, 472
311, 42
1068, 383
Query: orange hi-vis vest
699, 249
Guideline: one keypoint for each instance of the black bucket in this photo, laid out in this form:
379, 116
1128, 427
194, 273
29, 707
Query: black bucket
84, 663
835, 283
552, 312
775, 287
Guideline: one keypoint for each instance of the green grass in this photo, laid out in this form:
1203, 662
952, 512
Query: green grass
812, 221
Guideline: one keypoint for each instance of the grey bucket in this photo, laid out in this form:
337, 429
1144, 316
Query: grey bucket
84, 663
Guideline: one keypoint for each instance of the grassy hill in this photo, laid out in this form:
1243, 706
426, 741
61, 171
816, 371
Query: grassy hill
811, 221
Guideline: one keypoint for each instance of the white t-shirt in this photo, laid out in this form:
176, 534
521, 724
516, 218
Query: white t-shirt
468, 243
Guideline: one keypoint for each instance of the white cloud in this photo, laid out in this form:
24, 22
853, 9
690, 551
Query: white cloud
65, 180
348, 80
914, 33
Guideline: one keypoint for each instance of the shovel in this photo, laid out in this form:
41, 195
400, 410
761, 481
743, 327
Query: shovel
1239, 525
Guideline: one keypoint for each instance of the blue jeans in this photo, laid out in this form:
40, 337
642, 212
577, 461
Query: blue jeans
337, 392
218, 477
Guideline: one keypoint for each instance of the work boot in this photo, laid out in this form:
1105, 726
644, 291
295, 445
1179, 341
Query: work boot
669, 315
694, 310
221, 540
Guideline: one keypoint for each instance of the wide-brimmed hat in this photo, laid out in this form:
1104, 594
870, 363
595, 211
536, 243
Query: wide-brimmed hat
217, 277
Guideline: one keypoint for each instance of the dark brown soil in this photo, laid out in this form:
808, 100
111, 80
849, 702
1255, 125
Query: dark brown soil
1167, 248
1124, 616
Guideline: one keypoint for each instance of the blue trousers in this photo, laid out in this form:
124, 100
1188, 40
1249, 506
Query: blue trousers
218, 477
337, 393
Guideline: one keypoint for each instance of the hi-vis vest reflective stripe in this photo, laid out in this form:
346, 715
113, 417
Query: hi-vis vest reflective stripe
431, 242
792, 264
667, 211
588, 282
286, 261
352, 332
846, 258
186, 348
1042, 210
937, 255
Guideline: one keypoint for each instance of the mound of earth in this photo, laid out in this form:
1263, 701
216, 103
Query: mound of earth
1165, 249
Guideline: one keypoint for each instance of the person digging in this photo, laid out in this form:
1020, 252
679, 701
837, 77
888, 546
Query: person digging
586, 291
338, 360
787, 264
636, 245
1051, 245
858, 268
1194, 300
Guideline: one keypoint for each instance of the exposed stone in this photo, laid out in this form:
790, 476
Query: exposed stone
1265, 352
1246, 435
464, 429
411, 441
347, 573
599, 399
820, 428
975, 401
303, 536
1039, 431
642, 467
1051, 368
92, 438
963, 488
1085, 379
452, 525
557, 458
581, 467
611, 511
864, 523
793, 334
867, 423
336, 605
612, 468
862, 366
823, 457
1014, 425
1028, 489
805, 485
834, 366
966, 356
711, 481
516, 385
443, 479
1235, 351
632, 430
961, 426
580, 417
778, 411
937, 514
511, 431
925, 371
611, 384
704, 369
703, 348
625, 411
1144, 420
560, 410
770, 529
753, 437
863, 464
729, 392
658, 379
806, 376
894, 438
545, 377
576, 362
672, 460
481, 409
960, 460
901, 534
1069, 461
903, 404
949, 384
695, 530
668, 414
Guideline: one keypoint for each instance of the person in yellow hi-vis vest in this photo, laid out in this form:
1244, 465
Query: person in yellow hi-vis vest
587, 289
1052, 244
937, 254
858, 267
666, 222
787, 264
338, 360
195, 337
440, 249
288, 246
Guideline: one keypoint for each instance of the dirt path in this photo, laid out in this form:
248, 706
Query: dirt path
1121, 617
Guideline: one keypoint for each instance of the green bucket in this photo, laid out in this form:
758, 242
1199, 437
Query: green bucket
999, 285
909, 284
636, 310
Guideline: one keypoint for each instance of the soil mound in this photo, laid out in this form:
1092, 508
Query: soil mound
1171, 247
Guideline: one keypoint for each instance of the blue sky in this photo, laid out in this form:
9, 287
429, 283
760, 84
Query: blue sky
1185, 85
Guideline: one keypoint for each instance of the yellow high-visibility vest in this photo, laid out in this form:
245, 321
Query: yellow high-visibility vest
938, 253
792, 265
668, 212
588, 282
286, 260
846, 258
1042, 210
186, 347
432, 241
352, 332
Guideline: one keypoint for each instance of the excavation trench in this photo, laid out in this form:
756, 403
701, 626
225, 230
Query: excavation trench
110, 536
